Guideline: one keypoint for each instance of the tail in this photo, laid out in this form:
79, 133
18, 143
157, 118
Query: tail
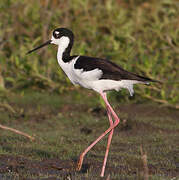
147, 80
151, 80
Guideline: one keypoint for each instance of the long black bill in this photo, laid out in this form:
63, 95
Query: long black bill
42, 45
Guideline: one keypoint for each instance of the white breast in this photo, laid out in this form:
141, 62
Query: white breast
78, 76
68, 69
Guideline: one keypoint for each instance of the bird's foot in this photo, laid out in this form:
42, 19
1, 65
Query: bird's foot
80, 162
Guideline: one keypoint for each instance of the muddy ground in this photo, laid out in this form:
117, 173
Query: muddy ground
153, 127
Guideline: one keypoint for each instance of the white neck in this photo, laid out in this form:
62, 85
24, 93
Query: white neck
60, 54
62, 43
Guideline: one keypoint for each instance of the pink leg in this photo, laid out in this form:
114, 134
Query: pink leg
117, 120
109, 138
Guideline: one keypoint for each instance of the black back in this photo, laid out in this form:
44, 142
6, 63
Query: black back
110, 70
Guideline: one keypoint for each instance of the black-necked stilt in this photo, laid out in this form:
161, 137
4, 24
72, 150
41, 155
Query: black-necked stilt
93, 73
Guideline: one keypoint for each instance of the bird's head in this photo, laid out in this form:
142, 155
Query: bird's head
62, 37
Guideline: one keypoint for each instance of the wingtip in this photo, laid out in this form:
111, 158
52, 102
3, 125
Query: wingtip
151, 80
160, 82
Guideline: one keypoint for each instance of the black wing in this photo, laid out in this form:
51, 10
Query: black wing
110, 70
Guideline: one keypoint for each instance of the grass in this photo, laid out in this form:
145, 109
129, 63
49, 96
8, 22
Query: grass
141, 36
63, 130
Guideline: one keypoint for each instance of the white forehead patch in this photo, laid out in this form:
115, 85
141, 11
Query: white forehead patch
63, 41
56, 32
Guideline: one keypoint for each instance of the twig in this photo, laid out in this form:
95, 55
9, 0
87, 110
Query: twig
162, 101
144, 159
8, 107
17, 131
43, 78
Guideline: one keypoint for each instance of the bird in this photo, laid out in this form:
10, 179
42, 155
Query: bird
98, 74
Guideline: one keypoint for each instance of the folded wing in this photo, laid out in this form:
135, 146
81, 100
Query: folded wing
109, 69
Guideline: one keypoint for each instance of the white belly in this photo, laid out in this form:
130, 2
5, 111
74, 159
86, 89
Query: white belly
91, 79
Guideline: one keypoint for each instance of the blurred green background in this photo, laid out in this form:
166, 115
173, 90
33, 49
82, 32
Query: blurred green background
37, 98
141, 36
